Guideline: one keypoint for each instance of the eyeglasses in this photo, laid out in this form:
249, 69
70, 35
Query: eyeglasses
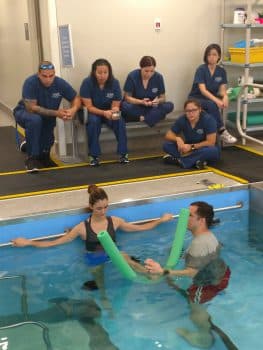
45, 66
191, 110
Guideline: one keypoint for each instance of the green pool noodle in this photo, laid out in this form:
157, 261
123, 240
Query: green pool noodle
115, 255
178, 241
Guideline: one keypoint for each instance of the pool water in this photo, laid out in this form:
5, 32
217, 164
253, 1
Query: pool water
133, 316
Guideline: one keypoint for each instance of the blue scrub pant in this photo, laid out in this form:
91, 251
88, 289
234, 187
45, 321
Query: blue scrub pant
152, 115
93, 128
211, 108
206, 154
39, 131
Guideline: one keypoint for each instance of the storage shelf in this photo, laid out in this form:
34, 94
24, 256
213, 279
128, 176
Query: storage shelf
241, 26
250, 120
242, 65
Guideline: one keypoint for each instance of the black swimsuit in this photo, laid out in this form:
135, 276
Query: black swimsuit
92, 242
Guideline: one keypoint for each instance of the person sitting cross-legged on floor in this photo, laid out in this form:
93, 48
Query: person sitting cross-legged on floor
144, 94
191, 142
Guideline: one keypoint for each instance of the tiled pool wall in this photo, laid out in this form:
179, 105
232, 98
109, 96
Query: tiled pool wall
57, 222
255, 228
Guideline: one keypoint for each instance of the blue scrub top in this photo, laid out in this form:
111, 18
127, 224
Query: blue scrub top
101, 98
212, 82
47, 97
206, 125
134, 85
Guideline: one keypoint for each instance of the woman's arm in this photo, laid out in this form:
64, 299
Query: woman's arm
87, 102
208, 142
136, 101
158, 100
67, 237
223, 94
129, 227
210, 96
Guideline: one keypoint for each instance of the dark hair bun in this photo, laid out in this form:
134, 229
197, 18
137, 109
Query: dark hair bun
92, 188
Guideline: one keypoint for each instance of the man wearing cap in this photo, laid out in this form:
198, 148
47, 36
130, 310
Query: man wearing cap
37, 112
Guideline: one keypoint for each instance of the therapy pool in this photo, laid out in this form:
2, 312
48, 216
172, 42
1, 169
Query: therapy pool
42, 305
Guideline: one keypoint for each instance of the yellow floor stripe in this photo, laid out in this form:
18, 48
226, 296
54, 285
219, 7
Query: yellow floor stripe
75, 165
233, 177
74, 188
249, 149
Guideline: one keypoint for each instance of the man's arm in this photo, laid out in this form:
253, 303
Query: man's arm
155, 268
32, 107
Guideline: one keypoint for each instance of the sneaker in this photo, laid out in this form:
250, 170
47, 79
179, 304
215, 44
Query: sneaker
227, 138
46, 161
200, 164
124, 159
168, 159
94, 161
22, 147
32, 165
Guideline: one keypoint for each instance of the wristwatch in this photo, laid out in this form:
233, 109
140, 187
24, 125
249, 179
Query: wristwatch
166, 272
193, 147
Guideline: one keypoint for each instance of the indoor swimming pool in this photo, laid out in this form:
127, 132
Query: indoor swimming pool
41, 288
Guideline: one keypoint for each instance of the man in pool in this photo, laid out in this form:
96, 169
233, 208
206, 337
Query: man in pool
204, 265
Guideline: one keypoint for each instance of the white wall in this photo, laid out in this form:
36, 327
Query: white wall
119, 30
123, 31
17, 58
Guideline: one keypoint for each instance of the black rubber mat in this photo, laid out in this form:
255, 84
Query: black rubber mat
241, 163
234, 161
10, 158
55, 178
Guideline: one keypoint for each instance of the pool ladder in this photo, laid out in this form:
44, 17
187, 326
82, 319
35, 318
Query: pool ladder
24, 309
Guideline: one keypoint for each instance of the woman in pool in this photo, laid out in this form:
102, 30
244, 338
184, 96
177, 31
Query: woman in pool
88, 230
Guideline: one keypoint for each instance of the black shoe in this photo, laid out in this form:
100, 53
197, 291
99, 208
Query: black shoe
124, 159
94, 161
90, 285
46, 161
22, 147
32, 165
168, 159
200, 164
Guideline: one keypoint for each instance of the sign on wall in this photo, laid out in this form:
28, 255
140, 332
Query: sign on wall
66, 49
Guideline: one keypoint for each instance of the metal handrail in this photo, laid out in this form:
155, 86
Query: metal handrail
238, 115
237, 206
40, 324
24, 305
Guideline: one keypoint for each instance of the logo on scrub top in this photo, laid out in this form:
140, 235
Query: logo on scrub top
154, 90
200, 131
218, 79
109, 94
56, 95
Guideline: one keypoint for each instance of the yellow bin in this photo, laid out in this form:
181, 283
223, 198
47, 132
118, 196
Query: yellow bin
238, 55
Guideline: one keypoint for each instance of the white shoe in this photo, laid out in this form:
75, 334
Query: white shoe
225, 137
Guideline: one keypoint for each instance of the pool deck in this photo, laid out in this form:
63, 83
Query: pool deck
19, 207
77, 199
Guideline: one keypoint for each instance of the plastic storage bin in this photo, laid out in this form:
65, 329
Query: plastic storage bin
237, 55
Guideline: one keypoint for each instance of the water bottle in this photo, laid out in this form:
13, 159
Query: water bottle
239, 15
